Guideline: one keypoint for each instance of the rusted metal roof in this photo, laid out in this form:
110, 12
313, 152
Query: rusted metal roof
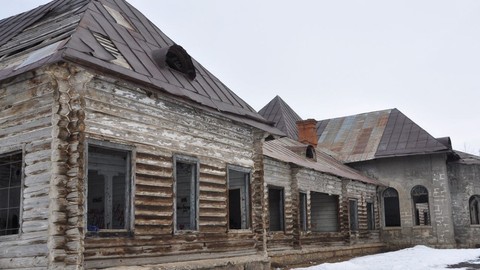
373, 135
284, 117
281, 149
113, 37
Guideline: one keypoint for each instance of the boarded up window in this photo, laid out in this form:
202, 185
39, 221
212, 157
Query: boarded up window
324, 212
275, 209
238, 199
370, 216
391, 207
474, 204
353, 214
420, 204
186, 189
10, 193
108, 189
303, 212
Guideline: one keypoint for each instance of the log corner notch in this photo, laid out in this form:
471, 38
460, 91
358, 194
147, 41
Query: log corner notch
66, 219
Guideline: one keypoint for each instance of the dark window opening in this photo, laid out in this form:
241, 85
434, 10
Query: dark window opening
311, 152
391, 207
238, 199
353, 214
474, 206
108, 189
324, 212
275, 209
10, 193
303, 212
421, 206
370, 216
186, 189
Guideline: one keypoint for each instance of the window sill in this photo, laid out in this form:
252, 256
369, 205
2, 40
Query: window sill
392, 228
109, 233
240, 231
418, 227
9, 237
185, 232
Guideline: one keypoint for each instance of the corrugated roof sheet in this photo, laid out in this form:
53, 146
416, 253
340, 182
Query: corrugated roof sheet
280, 149
284, 117
373, 135
80, 22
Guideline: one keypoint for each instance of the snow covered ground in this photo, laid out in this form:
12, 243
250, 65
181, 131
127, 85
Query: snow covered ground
416, 258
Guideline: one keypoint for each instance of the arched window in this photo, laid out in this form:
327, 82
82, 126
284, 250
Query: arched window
474, 205
391, 207
420, 205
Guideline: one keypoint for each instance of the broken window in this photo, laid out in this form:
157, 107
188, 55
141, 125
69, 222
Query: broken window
420, 205
10, 193
186, 190
109, 182
370, 216
238, 199
353, 214
474, 209
275, 208
310, 153
324, 212
302, 204
391, 207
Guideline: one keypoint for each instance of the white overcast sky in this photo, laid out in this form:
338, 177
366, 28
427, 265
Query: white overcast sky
338, 57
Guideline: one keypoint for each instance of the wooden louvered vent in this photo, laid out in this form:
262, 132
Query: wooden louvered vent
108, 45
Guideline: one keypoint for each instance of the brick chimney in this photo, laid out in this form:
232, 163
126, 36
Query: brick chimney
307, 132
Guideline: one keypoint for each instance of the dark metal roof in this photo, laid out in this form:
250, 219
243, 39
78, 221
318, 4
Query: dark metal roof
373, 135
468, 159
281, 149
109, 36
284, 117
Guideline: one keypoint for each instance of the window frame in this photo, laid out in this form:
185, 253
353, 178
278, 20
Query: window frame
371, 222
8, 152
353, 213
384, 208
248, 191
281, 208
303, 215
474, 199
130, 187
196, 164
414, 205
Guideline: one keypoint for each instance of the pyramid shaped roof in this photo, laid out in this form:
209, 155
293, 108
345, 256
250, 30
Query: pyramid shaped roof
284, 117
374, 135
113, 37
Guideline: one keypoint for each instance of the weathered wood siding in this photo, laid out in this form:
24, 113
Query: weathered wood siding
25, 123
159, 127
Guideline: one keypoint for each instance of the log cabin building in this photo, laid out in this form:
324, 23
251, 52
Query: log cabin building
118, 149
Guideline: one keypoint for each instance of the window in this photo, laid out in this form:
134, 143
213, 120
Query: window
109, 182
420, 205
353, 214
474, 209
303, 212
324, 212
275, 209
310, 153
186, 190
391, 207
370, 216
10, 193
238, 199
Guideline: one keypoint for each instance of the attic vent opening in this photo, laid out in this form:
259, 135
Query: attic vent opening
310, 153
175, 57
110, 47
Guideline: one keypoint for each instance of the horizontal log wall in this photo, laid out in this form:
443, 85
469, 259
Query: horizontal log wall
159, 127
25, 123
